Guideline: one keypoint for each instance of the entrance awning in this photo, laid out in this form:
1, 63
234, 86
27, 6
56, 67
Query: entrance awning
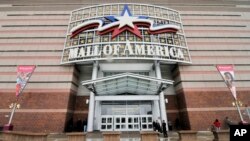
127, 83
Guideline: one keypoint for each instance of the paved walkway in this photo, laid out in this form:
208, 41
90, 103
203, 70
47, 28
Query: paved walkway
129, 136
132, 136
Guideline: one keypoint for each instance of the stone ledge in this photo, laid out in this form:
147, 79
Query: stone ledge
149, 135
111, 136
188, 135
111, 133
149, 132
24, 133
76, 136
187, 131
23, 136
222, 135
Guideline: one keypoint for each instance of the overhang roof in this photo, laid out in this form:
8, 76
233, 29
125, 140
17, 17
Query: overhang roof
127, 83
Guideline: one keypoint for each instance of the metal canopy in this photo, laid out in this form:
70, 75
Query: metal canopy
127, 83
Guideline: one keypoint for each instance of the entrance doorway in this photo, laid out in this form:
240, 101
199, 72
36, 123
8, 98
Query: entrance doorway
126, 123
126, 116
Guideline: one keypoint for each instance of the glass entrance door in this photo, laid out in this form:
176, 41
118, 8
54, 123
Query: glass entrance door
127, 123
120, 123
133, 123
107, 123
146, 122
126, 116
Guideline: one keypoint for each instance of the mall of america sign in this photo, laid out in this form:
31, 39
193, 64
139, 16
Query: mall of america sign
125, 31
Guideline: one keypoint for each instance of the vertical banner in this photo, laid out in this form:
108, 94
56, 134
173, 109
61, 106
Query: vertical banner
23, 75
227, 72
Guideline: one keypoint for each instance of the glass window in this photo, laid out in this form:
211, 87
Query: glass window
136, 126
123, 120
109, 126
114, 73
150, 126
103, 120
126, 108
149, 119
117, 120
109, 120
103, 127
136, 120
130, 120
123, 126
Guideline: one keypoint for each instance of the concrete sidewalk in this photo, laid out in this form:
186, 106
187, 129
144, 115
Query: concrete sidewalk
131, 136
128, 136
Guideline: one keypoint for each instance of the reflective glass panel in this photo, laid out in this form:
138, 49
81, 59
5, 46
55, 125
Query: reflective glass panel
130, 120
126, 108
103, 120
123, 120
103, 126
117, 120
109, 120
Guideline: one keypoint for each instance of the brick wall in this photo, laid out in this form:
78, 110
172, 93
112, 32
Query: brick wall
204, 107
34, 34
81, 108
39, 111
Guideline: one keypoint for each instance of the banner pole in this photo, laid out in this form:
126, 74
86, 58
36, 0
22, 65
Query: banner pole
238, 109
12, 113
227, 73
19, 93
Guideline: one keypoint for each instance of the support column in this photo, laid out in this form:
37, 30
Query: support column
92, 100
156, 111
161, 95
97, 119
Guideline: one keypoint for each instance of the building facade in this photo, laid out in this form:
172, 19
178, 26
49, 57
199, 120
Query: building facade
123, 65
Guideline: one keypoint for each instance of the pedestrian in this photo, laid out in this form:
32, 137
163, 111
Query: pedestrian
84, 123
217, 125
154, 125
164, 128
177, 124
158, 126
228, 122
70, 125
170, 125
78, 125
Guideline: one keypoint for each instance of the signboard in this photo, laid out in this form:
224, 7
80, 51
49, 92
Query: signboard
125, 31
227, 73
23, 75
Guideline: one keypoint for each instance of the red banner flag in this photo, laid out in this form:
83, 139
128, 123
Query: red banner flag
23, 75
227, 73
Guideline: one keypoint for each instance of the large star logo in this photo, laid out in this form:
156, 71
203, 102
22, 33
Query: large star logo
126, 23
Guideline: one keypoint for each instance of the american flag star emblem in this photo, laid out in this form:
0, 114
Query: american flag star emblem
124, 22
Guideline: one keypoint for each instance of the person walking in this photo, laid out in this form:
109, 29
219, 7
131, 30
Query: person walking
158, 126
217, 125
79, 125
177, 124
154, 125
164, 128
228, 122
84, 123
